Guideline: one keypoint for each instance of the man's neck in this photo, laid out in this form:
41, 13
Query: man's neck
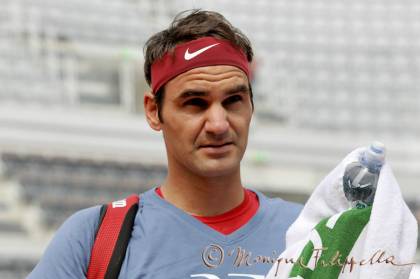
203, 196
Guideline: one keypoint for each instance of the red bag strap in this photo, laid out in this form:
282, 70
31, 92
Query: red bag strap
112, 238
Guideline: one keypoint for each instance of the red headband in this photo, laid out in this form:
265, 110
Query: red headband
206, 51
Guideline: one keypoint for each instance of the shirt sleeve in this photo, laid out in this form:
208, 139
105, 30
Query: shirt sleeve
67, 255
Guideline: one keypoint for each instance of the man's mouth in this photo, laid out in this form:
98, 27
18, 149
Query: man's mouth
215, 145
217, 150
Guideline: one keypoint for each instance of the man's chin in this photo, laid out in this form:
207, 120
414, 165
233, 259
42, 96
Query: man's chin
217, 169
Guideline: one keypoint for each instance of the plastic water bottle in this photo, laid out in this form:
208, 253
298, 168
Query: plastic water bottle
361, 178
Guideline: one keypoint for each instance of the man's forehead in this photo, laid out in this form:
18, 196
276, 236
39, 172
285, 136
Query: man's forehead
204, 81
208, 74
214, 69
203, 91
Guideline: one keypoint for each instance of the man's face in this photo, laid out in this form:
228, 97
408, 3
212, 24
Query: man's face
206, 113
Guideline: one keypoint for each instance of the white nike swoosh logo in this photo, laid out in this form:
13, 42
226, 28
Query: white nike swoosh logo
189, 56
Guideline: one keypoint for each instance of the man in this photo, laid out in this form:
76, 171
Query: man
200, 222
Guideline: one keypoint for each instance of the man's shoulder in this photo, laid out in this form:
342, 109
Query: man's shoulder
68, 253
80, 227
87, 217
281, 206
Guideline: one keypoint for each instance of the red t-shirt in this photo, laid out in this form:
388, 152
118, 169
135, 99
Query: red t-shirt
235, 218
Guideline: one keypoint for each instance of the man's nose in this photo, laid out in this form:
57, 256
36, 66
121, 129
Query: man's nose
216, 121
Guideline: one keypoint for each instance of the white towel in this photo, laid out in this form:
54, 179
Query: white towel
387, 230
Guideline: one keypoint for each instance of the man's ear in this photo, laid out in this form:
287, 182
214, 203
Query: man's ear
151, 111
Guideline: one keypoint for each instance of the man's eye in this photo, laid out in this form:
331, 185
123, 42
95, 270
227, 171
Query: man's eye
233, 99
196, 102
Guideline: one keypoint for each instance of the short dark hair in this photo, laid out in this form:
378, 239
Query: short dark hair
187, 26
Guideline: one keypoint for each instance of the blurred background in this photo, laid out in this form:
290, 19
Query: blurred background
330, 76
